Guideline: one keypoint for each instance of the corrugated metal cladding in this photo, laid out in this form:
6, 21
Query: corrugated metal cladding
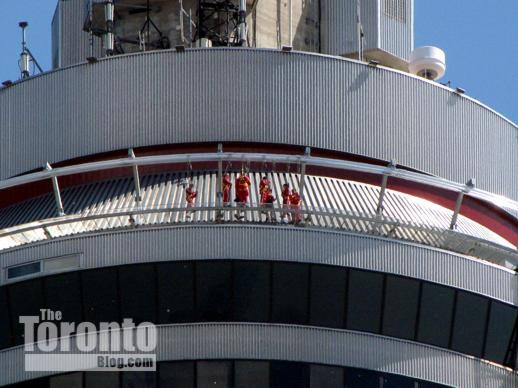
387, 25
338, 25
396, 27
167, 190
71, 44
150, 244
287, 98
308, 344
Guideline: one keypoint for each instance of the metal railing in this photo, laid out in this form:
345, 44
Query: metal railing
324, 218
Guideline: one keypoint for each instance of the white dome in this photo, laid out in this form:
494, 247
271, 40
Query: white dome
428, 62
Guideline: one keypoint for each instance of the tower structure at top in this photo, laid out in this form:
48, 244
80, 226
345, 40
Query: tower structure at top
371, 30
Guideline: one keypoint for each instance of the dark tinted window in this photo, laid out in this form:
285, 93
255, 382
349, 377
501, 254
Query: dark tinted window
328, 285
71, 380
175, 292
101, 379
214, 290
63, 293
254, 374
137, 293
400, 308
469, 323
251, 291
5, 331
359, 378
176, 374
393, 381
212, 374
289, 375
100, 300
502, 320
364, 301
138, 380
290, 293
322, 376
26, 298
435, 315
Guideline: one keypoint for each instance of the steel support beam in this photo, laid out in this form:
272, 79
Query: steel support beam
383, 189
57, 194
136, 176
458, 204
302, 184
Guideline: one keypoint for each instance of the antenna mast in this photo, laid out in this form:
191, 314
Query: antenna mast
26, 56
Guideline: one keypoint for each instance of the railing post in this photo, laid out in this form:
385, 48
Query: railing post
469, 185
136, 176
384, 180
57, 194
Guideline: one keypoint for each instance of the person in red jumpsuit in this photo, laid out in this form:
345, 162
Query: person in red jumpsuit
242, 193
190, 197
295, 205
286, 194
264, 186
227, 185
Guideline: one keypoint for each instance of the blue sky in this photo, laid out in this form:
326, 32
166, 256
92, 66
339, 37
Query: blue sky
480, 38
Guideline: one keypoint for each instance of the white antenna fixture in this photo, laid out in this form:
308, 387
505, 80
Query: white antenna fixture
428, 62
26, 56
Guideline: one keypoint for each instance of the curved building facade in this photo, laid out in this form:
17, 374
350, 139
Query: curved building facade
394, 265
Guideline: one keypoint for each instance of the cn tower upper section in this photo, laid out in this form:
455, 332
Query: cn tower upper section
380, 30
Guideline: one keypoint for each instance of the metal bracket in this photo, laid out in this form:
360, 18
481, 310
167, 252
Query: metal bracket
57, 194
469, 185
136, 176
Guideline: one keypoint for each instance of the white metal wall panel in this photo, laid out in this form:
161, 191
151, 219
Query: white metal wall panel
287, 244
396, 27
311, 345
297, 98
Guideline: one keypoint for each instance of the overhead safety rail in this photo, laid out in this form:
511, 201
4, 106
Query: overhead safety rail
504, 203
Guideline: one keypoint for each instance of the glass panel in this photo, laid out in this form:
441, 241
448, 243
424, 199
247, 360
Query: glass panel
469, 323
5, 327
322, 376
100, 300
176, 375
37, 383
63, 293
214, 290
435, 315
502, 320
101, 379
138, 380
364, 301
175, 292
72, 380
400, 311
251, 291
290, 293
393, 381
137, 293
328, 285
212, 374
289, 375
23, 270
250, 374
26, 299
359, 378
